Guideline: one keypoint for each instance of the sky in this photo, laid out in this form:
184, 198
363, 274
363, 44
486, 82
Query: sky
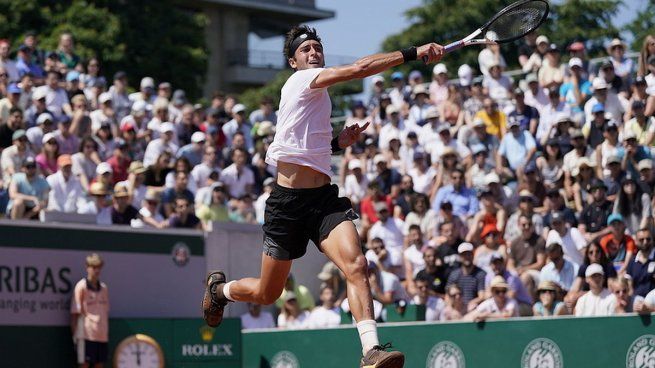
360, 26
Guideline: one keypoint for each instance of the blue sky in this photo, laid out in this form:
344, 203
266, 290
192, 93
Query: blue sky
360, 26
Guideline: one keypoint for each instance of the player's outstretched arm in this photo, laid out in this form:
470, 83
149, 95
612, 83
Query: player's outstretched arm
376, 63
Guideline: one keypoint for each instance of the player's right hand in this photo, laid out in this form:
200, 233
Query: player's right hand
434, 52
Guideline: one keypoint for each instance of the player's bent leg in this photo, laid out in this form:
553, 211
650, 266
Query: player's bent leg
342, 246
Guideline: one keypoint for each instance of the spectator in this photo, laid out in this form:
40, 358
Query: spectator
6, 63
548, 305
146, 92
464, 200
66, 51
122, 212
9, 102
499, 305
517, 148
216, 210
593, 220
47, 159
551, 72
183, 216
551, 116
624, 300
56, 98
555, 203
85, 161
28, 192
535, 224
434, 272
119, 96
14, 123
202, 171
66, 192
193, 151
420, 108
468, 277
157, 172
647, 305
385, 286
619, 247
439, 85
641, 268
157, 146
576, 91
390, 229
14, 157
356, 183
180, 189
490, 55
90, 315
623, 66
413, 257
516, 289
640, 125
256, 318
105, 114
266, 112
135, 183
633, 205
239, 123
238, 178
68, 142
598, 300
399, 93
242, 210
328, 314
496, 85
607, 97
526, 253
569, 238
434, 305
104, 174
291, 315
455, 308
301, 292
535, 95
36, 108
594, 130
119, 161
149, 212
494, 119
394, 127
558, 269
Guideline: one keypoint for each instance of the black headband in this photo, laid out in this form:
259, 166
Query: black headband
299, 40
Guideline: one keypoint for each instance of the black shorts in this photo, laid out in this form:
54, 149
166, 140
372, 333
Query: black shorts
294, 216
95, 352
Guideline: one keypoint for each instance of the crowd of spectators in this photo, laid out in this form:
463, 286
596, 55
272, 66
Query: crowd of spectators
495, 197
480, 196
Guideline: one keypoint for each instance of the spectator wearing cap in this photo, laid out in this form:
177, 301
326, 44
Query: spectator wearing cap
149, 211
400, 93
356, 182
548, 305
551, 73
68, 142
394, 126
531, 55
465, 77
387, 177
646, 176
390, 230
570, 238
11, 125
5, 61
137, 118
423, 176
104, 114
104, 175
480, 136
468, 277
185, 125
593, 130
496, 85
238, 177
46, 160
616, 84
161, 144
578, 49
526, 207
98, 204
35, 134
499, 304
464, 200
120, 161
613, 173
415, 78
593, 219
66, 192
135, 183
641, 125
194, 150
570, 162
490, 55
216, 209
36, 108
494, 119
73, 84
146, 92
550, 116
577, 89
623, 66
489, 243
291, 315
428, 134
122, 212
602, 94
28, 192
598, 300
617, 245
641, 267
535, 95
239, 123
10, 101
480, 168
119, 97
594, 255
516, 149
56, 98
438, 88
558, 269
14, 156
446, 143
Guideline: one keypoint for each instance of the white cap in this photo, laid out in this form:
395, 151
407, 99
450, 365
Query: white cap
354, 164
439, 68
147, 82
39, 93
105, 97
599, 83
391, 109
47, 137
377, 79
166, 127
43, 117
593, 269
465, 74
575, 61
238, 108
103, 167
198, 137
420, 89
465, 247
379, 158
139, 106
542, 39
491, 178
433, 112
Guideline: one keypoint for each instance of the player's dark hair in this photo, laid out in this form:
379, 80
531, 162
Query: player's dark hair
296, 31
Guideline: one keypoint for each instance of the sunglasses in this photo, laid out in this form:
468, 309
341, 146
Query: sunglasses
499, 291
547, 291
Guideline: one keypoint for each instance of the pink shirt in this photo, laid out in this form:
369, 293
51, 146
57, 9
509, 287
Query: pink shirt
303, 131
93, 305
44, 164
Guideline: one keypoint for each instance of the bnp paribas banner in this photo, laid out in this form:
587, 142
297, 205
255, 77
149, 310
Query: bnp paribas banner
148, 274
623, 341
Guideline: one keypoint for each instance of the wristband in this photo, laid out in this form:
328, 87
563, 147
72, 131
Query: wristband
409, 54
335, 145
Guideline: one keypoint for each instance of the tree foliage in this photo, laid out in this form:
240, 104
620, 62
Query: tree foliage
154, 38
642, 25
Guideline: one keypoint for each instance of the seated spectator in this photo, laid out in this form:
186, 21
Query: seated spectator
104, 138
551, 73
516, 148
181, 165
356, 183
238, 178
464, 200
204, 169
149, 213
594, 130
328, 314
35, 134
10, 102
598, 300
535, 95
157, 146
647, 305
516, 289
554, 203
331, 277
496, 85
47, 159
593, 220
499, 305
193, 151
619, 247
387, 178
56, 98
434, 272
377, 252
558, 269
548, 305
468, 277
569, 238
513, 229
490, 245
242, 210
494, 119
183, 216
291, 315
491, 214
157, 172
122, 212
641, 125
434, 305
256, 318
135, 183
120, 161
385, 286
105, 114
526, 254
217, 209
632, 204
68, 142
455, 309
85, 161
422, 175
14, 157
609, 99
624, 300
301, 292
576, 90
65, 189
28, 192
641, 269
98, 204
239, 123
413, 256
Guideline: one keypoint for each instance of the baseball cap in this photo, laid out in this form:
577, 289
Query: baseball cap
20, 133
64, 160
381, 206
397, 75
594, 269
599, 107
328, 271
465, 74
552, 48
496, 256
379, 158
103, 168
72, 76
599, 83
557, 216
498, 282
439, 68
163, 85
43, 117
512, 121
136, 167
576, 46
139, 107
526, 194
420, 90
638, 104
488, 229
127, 124
238, 108
391, 109
542, 39
105, 97
629, 134
614, 159
477, 122
415, 74
645, 164
179, 97
377, 79
616, 42
39, 93
97, 189
147, 82
597, 184
47, 137
575, 61
120, 191
491, 178
418, 155
531, 78
166, 127
478, 148
443, 127
576, 133
120, 75
198, 137
14, 89
606, 64
614, 217
465, 247
152, 195
354, 164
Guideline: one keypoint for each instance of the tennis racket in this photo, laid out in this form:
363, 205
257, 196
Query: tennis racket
513, 22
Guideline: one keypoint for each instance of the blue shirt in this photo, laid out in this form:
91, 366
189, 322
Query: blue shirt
563, 278
38, 187
566, 91
525, 116
190, 153
465, 202
231, 127
24, 68
515, 149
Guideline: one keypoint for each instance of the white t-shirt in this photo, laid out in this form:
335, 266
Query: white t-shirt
321, 317
64, 195
572, 242
355, 190
590, 305
433, 307
490, 306
415, 258
299, 322
303, 132
237, 182
391, 233
265, 320
422, 180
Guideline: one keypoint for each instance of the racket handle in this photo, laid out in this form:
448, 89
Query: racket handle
448, 48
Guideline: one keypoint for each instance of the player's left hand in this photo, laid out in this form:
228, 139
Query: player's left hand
349, 135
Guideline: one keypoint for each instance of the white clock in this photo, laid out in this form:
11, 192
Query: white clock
138, 351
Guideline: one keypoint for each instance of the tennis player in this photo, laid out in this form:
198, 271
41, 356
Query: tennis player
303, 204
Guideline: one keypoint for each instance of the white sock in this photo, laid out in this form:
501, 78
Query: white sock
226, 291
368, 334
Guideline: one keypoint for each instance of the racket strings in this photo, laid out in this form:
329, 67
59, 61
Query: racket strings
516, 22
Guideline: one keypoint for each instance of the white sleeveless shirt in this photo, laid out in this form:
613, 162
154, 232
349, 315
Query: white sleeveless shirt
303, 132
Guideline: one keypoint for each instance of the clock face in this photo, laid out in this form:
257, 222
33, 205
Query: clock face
138, 352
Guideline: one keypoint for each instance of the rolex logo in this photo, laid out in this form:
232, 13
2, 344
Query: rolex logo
206, 333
